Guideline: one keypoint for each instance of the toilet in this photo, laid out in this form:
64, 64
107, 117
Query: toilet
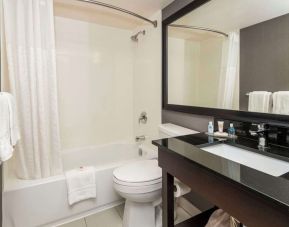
140, 183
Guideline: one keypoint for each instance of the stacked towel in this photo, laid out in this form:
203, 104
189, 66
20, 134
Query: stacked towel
260, 101
219, 218
281, 102
81, 184
9, 133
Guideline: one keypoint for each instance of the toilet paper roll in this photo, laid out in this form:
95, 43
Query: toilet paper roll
180, 189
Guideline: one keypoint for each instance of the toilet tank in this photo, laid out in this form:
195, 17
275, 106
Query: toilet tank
170, 130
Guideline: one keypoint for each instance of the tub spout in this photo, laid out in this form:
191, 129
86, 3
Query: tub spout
140, 138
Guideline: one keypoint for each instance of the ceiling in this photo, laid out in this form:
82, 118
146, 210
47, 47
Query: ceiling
229, 15
192, 35
96, 14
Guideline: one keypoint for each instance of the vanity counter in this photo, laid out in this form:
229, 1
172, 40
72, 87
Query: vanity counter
252, 196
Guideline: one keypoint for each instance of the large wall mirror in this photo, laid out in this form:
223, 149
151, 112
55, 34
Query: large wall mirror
229, 55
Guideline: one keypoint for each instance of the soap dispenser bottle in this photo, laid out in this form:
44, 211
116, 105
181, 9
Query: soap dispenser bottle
231, 131
210, 128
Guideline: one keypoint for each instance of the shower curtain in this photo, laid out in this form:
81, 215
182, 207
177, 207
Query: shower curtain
30, 43
229, 79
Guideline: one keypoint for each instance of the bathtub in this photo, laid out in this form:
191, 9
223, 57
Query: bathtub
29, 203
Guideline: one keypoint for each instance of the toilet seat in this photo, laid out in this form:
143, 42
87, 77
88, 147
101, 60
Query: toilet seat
137, 189
138, 177
136, 184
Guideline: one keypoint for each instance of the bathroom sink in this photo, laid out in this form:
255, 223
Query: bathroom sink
250, 159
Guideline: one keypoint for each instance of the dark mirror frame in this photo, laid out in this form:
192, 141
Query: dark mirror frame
281, 120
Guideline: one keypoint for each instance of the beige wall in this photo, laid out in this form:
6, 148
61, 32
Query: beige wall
194, 69
183, 73
210, 71
176, 70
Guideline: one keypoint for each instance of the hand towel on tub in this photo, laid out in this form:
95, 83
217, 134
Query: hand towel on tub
281, 102
260, 101
9, 133
81, 184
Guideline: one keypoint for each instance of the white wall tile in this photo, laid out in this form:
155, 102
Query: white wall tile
95, 78
147, 79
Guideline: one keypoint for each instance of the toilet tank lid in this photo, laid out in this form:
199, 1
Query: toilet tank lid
175, 130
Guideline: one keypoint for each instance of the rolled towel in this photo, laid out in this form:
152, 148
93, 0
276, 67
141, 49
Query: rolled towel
9, 132
81, 184
260, 101
281, 102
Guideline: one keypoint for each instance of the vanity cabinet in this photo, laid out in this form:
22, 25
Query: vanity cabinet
217, 55
255, 204
199, 220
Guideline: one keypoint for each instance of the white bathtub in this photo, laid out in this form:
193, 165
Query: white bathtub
29, 203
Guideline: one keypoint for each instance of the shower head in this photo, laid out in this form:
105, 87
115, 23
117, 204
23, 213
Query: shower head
135, 37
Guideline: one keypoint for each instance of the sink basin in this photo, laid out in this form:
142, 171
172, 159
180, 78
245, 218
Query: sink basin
250, 159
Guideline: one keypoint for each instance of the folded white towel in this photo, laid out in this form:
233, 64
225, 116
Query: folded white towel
260, 101
281, 102
81, 184
9, 132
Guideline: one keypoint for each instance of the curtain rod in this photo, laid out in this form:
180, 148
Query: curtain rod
198, 28
154, 23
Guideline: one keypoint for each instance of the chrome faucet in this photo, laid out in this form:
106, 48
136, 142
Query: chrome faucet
263, 133
140, 139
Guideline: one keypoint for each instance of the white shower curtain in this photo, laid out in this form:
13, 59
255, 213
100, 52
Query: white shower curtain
229, 78
30, 43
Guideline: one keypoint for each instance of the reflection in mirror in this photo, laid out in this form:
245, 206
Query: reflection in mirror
231, 55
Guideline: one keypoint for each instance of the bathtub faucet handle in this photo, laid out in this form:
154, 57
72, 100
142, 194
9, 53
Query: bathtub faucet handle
143, 118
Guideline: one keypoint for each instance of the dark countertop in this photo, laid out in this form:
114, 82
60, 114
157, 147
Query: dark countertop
274, 189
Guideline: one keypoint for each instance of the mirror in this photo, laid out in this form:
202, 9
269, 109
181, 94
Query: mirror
231, 55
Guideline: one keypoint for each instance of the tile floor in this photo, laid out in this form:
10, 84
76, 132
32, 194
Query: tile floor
113, 218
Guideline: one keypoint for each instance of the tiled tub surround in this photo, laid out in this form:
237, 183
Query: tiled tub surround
103, 77
44, 202
95, 81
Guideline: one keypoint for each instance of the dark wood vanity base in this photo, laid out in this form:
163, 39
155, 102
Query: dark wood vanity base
198, 220
249, 207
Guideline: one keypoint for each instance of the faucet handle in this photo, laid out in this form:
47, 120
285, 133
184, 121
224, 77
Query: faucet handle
261, 128
143, 118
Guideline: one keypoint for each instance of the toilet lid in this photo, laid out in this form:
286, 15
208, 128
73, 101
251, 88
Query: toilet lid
138, 172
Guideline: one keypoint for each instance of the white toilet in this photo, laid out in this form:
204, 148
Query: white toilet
140, 184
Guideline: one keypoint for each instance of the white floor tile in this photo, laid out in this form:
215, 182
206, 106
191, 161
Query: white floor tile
78, 223
108, 218
188, 207
182, 215
120, 210
113, 218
